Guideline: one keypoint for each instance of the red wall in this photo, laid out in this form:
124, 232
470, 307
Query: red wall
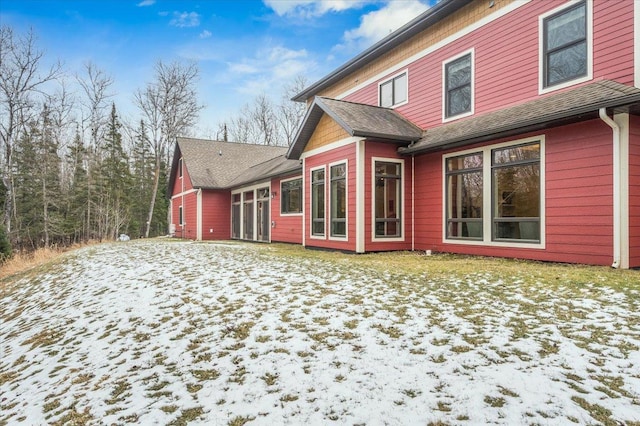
288, 227
507, 66
341, 154
216, 214
188, 203
383, 150
634, 191
579, 188
185, 180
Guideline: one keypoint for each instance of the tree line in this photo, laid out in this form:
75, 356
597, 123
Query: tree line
73, 170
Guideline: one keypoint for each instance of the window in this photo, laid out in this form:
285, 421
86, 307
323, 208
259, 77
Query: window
180, 216
317, 202
495, 194
464, 196
565, 45
515, 176
338, 198
393, 92
291, 196
180, 168
387, 199
458, 92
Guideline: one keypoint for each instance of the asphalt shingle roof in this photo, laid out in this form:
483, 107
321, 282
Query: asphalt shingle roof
216, 164
357, 120
559, 108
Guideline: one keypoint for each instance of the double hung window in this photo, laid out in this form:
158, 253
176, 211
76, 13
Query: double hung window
393, 92
458, 90
565, 45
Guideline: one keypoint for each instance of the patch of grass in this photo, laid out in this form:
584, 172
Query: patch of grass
270, 379
289, 398
494, 401
193, 387
412, 393
211, 374
240, 420
187, 415
118, 393
598, 412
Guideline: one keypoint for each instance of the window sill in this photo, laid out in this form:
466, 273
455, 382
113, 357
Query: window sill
496, 244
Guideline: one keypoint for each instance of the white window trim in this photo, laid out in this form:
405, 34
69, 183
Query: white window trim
472, 52
589, 76
311, 235
386, 80
327, 205
487, 197
403, 214
301, 195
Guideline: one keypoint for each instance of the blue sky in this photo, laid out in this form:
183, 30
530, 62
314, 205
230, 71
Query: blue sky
243, 48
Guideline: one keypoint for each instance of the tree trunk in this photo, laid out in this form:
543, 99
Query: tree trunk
156, 182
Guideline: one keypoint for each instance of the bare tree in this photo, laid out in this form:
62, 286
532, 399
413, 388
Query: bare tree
170, 107
290, 113
20, 80
96, 86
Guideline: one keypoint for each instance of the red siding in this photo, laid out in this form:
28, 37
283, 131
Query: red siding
216, 215
579, 190
188, 203
179, 182
288, 227
634, 191
347, 153
376, 149
506, 67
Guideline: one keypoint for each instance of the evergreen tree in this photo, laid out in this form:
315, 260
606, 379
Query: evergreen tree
5, 245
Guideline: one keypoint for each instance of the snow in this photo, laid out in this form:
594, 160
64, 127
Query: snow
143, 331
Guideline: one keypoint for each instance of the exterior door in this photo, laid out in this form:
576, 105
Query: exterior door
262, 215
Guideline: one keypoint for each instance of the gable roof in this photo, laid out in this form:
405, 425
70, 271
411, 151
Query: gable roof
357, 120
431, 16
216, 164
278, 166
579, 104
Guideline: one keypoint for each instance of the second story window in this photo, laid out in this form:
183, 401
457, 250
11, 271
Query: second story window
565, 45
393, 92
458, 86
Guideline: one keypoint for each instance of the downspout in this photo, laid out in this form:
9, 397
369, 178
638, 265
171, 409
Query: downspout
413, 202
616, 186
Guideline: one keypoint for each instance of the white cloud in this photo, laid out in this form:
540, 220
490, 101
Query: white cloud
269, 69
376, 25
205, 34
146, 3
312, 8
185, 19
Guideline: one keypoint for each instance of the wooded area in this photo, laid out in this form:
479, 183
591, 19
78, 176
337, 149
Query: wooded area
73, 170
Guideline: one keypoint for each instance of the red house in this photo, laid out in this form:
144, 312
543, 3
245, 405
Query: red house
222, 190
529, 142
489, 127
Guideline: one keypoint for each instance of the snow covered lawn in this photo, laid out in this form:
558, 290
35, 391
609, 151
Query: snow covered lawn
166, 332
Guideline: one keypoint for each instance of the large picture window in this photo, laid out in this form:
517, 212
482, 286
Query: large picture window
388, 199
338, 200
458, 82
394, 91
495, 195
565, 45
464, 196
515, 175
291, 196
317, 202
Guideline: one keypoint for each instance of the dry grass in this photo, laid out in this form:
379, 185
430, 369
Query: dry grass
22, 262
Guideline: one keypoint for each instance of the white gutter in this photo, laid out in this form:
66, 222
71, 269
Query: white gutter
616, 186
